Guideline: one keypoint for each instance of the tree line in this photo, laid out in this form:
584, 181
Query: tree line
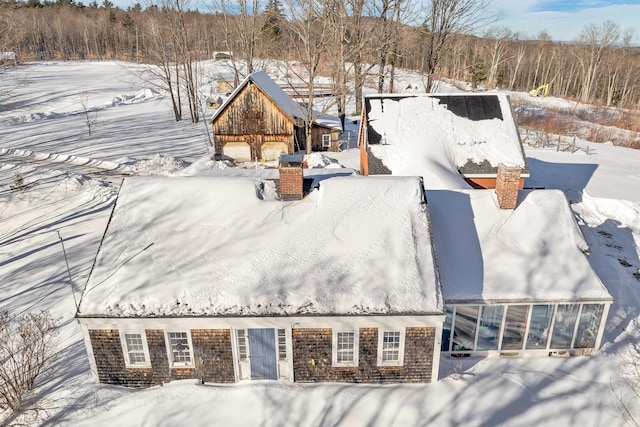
357, 43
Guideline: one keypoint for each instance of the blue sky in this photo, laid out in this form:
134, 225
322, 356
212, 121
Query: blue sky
575, 6
562, 19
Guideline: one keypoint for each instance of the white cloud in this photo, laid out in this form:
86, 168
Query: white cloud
565, 25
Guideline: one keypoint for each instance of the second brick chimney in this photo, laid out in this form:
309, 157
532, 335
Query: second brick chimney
507, 186
291, 178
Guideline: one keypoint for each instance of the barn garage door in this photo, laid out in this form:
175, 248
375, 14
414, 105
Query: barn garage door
238, 151
272, 150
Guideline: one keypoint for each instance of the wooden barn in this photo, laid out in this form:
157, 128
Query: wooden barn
259, 121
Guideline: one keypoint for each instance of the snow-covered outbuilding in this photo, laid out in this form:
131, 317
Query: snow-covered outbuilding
452, 140
226, 279
260, 121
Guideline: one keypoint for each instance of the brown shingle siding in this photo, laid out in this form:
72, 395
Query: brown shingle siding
312, 357
212, 353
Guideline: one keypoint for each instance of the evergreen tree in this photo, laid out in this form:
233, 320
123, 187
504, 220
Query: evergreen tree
274, 18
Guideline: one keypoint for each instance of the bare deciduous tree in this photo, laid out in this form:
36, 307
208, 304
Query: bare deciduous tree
27, 350
244, 25
309, 25
162, 54
444, 19
628, 396
90, 120
498, 39
591, 45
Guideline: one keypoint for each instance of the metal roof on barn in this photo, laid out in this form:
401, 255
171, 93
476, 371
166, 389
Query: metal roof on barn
278, 96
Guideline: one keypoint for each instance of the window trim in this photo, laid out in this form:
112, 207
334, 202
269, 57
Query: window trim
245, 337
334, 348
281, 344
173, 364
326, 140
125, 350
400, 361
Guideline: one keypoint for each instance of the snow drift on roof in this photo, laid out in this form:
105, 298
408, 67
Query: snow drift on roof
420, 136
534, 252
218, 246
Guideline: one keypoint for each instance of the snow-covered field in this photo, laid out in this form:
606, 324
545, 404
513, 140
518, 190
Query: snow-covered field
72, 179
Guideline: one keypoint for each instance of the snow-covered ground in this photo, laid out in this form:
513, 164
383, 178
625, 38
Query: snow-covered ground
71, 181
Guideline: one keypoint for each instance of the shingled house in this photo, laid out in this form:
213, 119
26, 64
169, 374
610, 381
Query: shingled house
467, 134
335, 284
259, 121
287, 278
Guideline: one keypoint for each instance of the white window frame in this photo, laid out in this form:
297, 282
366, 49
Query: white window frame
281, 344
245, 338
334, 347
326, 140
173, 364
125, 349
400, 361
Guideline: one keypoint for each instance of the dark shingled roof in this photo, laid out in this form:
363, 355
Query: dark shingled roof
474, 107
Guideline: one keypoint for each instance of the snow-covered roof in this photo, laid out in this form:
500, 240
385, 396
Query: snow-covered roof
439, 136
226, 246
331, 122
274, 92
271, 89
532, 253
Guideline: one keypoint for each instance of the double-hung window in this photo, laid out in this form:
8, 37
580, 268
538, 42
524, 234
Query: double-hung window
326, 141
282, 344
134, 346
345, 348
180, 352
243, 352
390, 347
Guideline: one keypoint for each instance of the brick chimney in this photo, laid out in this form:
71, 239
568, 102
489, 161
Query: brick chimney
507, 186
291, 178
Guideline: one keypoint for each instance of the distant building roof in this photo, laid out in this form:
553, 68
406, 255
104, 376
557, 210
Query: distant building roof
440, 136
532, 253
186, 246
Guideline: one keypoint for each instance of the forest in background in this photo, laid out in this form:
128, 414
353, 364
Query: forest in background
348, 40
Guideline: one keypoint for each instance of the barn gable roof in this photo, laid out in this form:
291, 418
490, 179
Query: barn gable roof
279, 97
288, 106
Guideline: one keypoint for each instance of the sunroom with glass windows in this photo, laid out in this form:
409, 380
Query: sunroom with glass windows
516, 282
517, 329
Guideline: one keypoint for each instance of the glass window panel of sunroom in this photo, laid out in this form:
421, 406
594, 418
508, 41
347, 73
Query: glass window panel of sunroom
588, 326
464, 333
539, 326
446, 329
514, 327
565, 323
490, 323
